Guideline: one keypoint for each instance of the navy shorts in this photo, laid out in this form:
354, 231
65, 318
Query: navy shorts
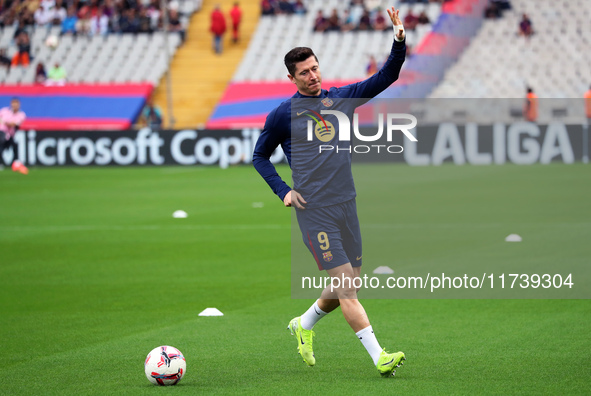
332, 234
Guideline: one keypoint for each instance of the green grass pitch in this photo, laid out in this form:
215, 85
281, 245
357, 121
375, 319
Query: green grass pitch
95, 272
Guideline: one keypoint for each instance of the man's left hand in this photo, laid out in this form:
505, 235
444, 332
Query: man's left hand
393, 14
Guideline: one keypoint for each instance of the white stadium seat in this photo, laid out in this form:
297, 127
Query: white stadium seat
97, 59
278, 34
516, 62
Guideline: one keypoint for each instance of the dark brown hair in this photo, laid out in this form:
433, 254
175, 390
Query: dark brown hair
298, 54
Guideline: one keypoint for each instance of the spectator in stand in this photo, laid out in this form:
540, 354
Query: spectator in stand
348, 23
218, 28
22, 56
423, 19
4, 60
45, 14
492, 11
525, 26
174, 24
99, 23
145, 22
320, 22
356, 11
60, 13
94, 7
56, 76
267, 8
380, 22
83, 24
134, 19
410, 21
364, 22
27, 13
299, 7
22, 27
530, 108
109, 8
40, 74
284, 7
69, 23
333, 24
129, 22
236, 17
154, 13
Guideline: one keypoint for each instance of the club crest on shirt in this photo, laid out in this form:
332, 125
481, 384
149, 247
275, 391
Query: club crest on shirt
327, 256
327, 102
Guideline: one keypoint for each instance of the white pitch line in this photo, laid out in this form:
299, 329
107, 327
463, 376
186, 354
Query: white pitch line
468, 225
247, 227
49, 228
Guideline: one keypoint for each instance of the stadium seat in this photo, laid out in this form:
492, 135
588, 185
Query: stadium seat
527, 61
98, 58
278, 34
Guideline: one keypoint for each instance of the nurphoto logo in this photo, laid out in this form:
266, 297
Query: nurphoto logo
324, 131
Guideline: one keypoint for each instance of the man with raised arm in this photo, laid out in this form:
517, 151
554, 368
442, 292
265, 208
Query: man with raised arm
323, 191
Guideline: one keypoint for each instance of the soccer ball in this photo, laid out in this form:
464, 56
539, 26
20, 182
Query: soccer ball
52, 42
165, 365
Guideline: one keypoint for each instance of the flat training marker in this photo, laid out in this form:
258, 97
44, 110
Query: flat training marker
180, 214
211, 312
383, 270
513, 238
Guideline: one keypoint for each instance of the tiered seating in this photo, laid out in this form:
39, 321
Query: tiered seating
109, 77
114, 58
260, 81
119, 59
339, 53
554, 61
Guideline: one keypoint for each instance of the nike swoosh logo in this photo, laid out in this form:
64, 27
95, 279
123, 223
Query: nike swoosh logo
385, 364
302, 341
317, 313
298, 113
358, 258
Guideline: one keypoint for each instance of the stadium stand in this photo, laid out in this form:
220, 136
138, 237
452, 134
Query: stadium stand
109, 76
259, 83
500, 64
276, 35
199, 76
97, 59
113, 58
494, 62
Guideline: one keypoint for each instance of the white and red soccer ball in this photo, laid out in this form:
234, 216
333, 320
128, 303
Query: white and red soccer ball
165, 365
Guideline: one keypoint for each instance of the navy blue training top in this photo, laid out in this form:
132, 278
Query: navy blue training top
322, 178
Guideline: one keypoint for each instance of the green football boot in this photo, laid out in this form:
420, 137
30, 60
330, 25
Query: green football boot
388, 362
304, 339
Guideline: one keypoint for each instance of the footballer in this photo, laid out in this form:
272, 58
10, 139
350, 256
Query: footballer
323, 192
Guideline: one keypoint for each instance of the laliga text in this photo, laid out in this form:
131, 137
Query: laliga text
433, 283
